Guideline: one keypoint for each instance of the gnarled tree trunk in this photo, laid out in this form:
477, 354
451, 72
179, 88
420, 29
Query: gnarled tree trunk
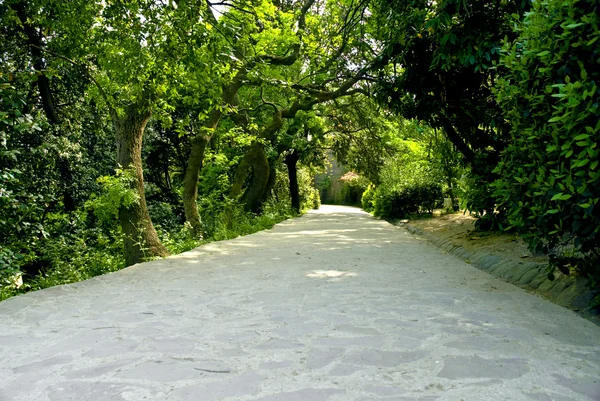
270, 182
254, 160
199, 143
141, 240
291, 161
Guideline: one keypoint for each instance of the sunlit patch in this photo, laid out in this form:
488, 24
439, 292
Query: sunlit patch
330, 274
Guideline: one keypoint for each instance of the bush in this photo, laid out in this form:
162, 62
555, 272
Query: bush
476, 191
416, 198
309, 195
550, 169
164, 217
368, 197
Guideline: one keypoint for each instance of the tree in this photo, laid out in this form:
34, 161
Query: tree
246, 59
134, 63
301, 141
336, 59
441, 66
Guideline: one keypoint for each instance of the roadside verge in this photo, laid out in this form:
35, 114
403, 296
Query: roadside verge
532, 276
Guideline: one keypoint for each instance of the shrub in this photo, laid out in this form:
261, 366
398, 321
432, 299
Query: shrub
550, 170
416, 198
116, 192
368, 197
309, 195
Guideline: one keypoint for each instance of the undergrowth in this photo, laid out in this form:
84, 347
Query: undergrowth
88, 252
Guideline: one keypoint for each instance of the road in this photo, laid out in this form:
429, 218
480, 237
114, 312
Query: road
331, 306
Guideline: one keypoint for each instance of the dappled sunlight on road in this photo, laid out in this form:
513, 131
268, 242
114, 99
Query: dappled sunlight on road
330, 274
340, 300
332, 229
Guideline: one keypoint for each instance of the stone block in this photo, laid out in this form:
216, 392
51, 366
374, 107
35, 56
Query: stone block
547, 285
490, 261
566, 295
582, 301
530, 274
538, 280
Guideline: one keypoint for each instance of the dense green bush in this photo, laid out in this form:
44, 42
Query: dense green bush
477, 195
368, 197
409, 182
415, 198
550, 173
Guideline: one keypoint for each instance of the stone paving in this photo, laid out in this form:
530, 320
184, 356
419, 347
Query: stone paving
332, 306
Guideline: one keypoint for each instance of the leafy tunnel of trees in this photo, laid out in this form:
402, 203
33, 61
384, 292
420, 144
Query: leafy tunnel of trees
130, 130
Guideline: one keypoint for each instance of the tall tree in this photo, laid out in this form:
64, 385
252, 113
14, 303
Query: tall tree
440, 66
258, 46
133, 52
334, 60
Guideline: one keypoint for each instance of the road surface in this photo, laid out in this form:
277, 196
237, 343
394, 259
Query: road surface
332, 306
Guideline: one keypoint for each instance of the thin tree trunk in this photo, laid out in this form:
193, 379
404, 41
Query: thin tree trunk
141, 241
35, 43
190, 184
291, 161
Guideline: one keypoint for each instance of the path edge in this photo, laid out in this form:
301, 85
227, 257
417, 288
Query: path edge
569, 292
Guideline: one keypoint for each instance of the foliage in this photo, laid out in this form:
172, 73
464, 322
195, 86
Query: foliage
409, 182
368, 198
440, 65
309, 195
406, 200
550, 173
116, 194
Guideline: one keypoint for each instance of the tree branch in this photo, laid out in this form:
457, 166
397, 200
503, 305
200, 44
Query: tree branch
86, 69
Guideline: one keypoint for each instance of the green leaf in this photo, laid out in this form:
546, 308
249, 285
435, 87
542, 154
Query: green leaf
561, 196
582, 163
575, 25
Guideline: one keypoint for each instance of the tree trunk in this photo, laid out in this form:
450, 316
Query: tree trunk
190, 184
271, 181
34, 40
140, 238
291, 161
456, 140
256, 160
199, 143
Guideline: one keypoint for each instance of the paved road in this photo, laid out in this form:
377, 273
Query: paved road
332, 306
